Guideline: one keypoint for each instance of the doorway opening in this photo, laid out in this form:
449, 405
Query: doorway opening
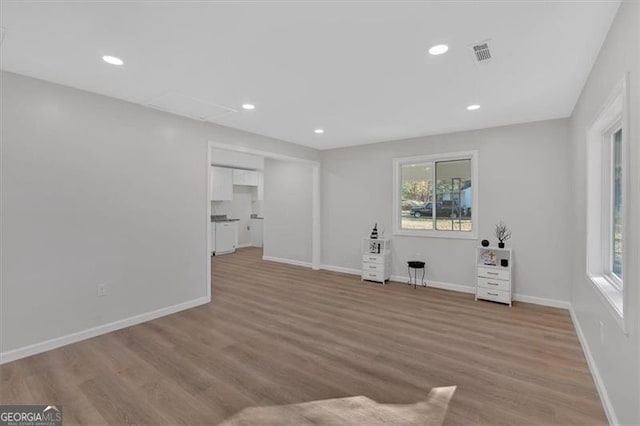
261, 200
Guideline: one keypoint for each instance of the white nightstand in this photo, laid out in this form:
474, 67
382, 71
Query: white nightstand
494, 282
376, 260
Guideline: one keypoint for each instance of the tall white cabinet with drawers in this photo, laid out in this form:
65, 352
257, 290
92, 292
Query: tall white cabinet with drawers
494, 281
376, 259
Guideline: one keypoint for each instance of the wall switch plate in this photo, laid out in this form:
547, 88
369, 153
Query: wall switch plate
101, 290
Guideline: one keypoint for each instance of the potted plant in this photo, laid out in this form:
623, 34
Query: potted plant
502, 233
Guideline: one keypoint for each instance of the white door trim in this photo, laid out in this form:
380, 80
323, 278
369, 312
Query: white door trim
208, 218
315, 218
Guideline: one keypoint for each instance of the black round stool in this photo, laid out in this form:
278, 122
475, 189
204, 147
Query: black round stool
415, 265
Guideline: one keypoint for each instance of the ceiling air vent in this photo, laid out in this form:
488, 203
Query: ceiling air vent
482, 52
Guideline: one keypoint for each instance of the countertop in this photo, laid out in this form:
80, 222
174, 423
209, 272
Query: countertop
222, 218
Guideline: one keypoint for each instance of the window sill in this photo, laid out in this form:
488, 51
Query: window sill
436, 234
612, 298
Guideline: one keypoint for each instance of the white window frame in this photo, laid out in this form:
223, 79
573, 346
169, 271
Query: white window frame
613, 116
397, 195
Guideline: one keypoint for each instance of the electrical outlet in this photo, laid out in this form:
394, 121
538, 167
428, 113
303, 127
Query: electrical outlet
101, 290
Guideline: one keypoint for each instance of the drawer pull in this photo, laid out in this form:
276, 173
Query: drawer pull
490, 283
492, 294
373, 267
492, 273
373, 258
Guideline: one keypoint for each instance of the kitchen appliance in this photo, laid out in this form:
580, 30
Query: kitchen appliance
226, 237
256, 231
213, 239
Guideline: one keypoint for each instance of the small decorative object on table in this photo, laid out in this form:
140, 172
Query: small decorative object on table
502, 233
488, 257
374, 232
504, 263
485, 243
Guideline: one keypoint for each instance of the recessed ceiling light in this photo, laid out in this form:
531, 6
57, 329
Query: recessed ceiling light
112, 60
438, 49
318, 131
248, 106
473, 107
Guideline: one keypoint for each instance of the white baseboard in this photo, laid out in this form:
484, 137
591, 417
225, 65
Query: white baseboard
563, 304
593, 368
287, 261
458, 287
471, 289
57, 342
437, 284
243, 245
350, 271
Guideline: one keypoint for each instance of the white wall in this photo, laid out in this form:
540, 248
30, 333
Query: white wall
616, 356
241, 207
523, 179
239, 160
287, 210
97, 190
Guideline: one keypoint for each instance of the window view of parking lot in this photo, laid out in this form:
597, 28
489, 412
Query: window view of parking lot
447, 203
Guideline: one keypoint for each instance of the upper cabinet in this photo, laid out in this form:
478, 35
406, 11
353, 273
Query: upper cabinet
245, 177
221, 184
223, 179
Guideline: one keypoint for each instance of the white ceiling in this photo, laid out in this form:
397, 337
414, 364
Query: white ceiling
359, 70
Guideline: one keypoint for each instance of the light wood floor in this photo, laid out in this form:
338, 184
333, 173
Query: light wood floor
277, 334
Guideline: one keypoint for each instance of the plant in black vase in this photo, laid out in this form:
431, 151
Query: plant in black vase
502, 233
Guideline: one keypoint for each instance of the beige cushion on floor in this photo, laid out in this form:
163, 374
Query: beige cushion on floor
357, 410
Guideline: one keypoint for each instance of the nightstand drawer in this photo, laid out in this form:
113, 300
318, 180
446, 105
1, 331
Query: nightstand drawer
494, 284
498, 274
495, 295
373, 275
368, 266
373, 258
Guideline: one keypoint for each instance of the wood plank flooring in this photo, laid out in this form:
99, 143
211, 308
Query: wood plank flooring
278, 335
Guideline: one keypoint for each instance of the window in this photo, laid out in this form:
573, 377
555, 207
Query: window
606, 209
434, 195
616, 209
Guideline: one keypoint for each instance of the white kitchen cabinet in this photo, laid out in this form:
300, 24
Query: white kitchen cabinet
251, 178
213, 238
221, 184
245, 177
238, 177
